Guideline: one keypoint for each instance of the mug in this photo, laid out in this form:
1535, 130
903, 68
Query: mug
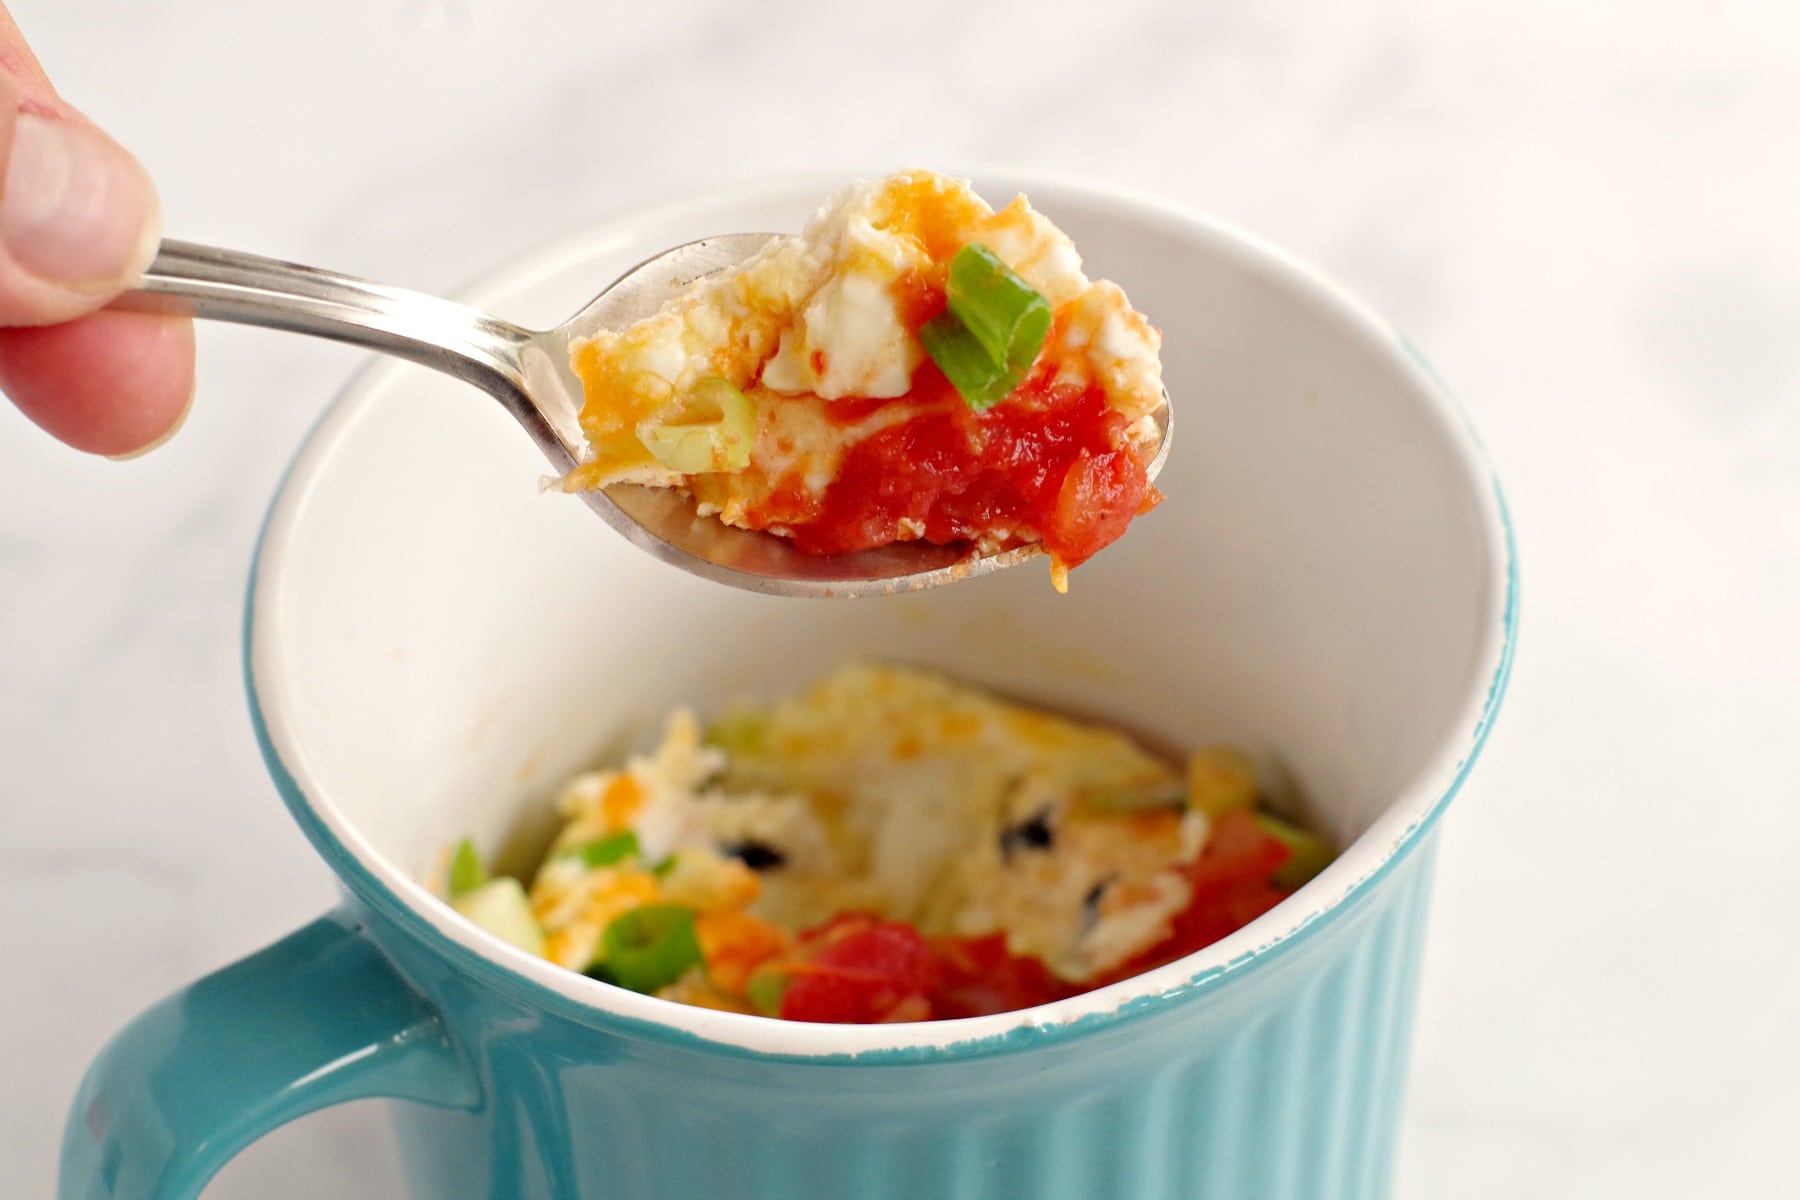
432, 646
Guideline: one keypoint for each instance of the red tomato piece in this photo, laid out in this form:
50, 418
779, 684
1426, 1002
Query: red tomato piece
856, 969
1236, 850
978, 976
859, 969
1048, 463
1100, 495
1231, 888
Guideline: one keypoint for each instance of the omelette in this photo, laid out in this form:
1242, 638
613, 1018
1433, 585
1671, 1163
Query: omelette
890, 844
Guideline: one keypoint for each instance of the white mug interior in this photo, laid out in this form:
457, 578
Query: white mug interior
436, 645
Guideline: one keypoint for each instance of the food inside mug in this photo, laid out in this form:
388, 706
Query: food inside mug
912, 365
892, 845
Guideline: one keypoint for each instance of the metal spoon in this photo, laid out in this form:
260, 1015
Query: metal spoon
528, 372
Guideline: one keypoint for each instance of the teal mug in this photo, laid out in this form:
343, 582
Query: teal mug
432, 646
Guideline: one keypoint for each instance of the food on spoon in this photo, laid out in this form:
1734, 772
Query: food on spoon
911, 365
890, 845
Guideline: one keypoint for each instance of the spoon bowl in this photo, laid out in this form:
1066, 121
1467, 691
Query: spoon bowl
528, 372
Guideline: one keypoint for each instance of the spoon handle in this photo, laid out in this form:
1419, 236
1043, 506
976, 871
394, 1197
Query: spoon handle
226, 285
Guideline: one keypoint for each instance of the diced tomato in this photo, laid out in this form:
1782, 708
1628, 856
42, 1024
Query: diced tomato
858, 969
1050, 463
978, 976
1100, 495
1236, 850
1231, 888
919, 296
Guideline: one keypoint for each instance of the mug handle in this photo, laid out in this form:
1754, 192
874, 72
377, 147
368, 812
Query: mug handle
316, 1019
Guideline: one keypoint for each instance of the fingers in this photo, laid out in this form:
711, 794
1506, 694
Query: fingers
79, 222
79, 219
111, 383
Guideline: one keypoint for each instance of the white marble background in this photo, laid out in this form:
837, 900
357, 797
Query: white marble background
1587, 214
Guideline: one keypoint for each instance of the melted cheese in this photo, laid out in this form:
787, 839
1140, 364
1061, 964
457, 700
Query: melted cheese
890, 791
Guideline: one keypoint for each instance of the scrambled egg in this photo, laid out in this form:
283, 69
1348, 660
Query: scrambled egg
833, 314
890, 791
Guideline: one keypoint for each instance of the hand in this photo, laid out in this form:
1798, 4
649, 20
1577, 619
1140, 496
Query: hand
79, 221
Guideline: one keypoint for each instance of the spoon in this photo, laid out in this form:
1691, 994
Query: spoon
528, 372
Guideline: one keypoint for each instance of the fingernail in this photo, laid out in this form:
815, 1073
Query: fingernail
75, 209
162, 439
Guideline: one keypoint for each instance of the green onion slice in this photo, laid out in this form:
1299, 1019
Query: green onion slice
981, 381
708, 428
466, 870
1308, 853
649, 947
1007, 315
995, 327
604, 852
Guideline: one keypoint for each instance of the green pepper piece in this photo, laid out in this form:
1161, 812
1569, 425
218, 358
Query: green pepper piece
1133, 798
466, 870
1221, 779
501, 907
740, 732
765, 988
711, 428
1308, 853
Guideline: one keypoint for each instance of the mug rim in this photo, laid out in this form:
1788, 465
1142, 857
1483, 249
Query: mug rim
543, 985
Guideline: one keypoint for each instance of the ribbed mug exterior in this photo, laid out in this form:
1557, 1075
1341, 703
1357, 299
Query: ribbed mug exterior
1280, 1079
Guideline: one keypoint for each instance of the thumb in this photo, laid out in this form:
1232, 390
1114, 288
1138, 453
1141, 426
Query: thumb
79, 219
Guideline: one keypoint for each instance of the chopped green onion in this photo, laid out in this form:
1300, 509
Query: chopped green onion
466, 870
995, 327
661, 870
649, 947
604, 852
1308, 853
981, 381
1007, 315
709, 428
